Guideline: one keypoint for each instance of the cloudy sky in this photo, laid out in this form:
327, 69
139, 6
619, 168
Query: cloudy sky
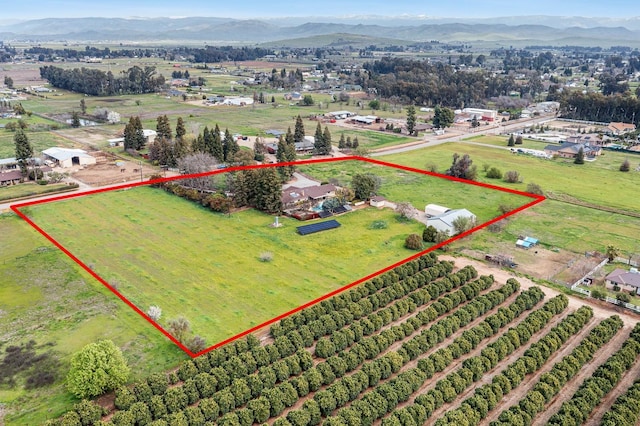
35, 9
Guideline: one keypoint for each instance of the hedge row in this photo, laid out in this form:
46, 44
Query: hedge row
626, 410
604, 379
552, 382
473, 368
339, 340
476, 408
402, 387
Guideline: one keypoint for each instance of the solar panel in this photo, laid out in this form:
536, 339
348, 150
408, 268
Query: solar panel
324, 214
317, 227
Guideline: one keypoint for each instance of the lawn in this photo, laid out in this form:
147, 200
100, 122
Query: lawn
161, 250
29, 189
45, 297
39, 140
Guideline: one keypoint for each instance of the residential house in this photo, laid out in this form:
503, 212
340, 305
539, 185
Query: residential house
587, 139
10, 178
304, 198
626, 280
570, 150
618, 129
444, 222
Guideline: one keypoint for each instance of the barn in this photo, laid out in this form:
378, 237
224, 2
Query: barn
68, 157
435, 210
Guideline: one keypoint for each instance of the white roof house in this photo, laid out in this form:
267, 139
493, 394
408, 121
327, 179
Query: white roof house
444, 222
67, 157
435, 210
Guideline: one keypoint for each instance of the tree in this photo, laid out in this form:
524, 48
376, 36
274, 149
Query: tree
307, 100
8, 81
429, 234
319, 146
512, 176
326, 138
134, 134
474, 122
154, 312
83, 106
625, 166
342, 143
97, 368
298, 131
534, 188
411, 119
494, 173
413, 242
442, 117
365, 186
462, 167
406, 210
75, 119
24, 150
579, 157
163, 128
179, 328
181, 130
229, 145
612, 252
374, 104
519, 140
512, 141
462, 224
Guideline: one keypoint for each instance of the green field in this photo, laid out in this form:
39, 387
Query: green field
148, 245
46, 298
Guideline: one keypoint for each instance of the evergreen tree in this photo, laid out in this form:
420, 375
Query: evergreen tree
342, 144
139, 139
512, 141
24, 150
298, 132
580, 157
180, 147
281, 156
268, 191
75, 119
319, 146
198, 144
230, 146
217, 149
241, 189
442, 117
163, 128
349, 144
411, 119
130, 134
207, 137
326, 136
181, 131
355, 143
83, 106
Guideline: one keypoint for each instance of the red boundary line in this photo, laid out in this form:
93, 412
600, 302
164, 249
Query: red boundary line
16, 208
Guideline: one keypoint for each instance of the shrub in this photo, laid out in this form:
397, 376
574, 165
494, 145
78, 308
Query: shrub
512, 176
625, 166
97, 368
429, 234
266, 256
413, 242
598, 293
494, 173
623, 297
534, 188
379, 224
154, 313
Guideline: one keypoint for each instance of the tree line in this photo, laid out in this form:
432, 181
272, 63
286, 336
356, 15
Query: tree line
599, 107
95, 82
421, 83
222, 53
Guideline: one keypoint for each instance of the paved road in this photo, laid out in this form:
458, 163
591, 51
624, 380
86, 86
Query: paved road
430, 140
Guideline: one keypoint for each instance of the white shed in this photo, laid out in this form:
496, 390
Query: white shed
435, 210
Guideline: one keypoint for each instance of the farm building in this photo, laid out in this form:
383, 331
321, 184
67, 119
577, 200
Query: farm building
435, 210
377, 201
570, 150
67, 157
444, 222
626, 280
526, 242
307, 144
10, 178
482, 114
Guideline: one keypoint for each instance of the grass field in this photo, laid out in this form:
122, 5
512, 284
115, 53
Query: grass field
44, 297
148, 245
39, 141
28, 190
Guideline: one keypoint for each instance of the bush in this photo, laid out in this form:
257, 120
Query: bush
266, 256
35, 174
623, 297
379, 224
413, 242
97, 368
494, 173
429, 234
598, 293
534, 188
154, 313
625, 166
512, 176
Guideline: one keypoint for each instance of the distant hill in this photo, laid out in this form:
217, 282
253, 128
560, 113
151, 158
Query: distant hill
398, 30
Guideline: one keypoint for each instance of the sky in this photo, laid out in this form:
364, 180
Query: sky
244, 9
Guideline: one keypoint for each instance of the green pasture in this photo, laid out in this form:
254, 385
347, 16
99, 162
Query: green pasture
45, 297
597, 182
398, 185
39, 141
162, 250
29, 190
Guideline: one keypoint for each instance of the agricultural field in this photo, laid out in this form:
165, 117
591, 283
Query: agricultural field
432, 341
146, 249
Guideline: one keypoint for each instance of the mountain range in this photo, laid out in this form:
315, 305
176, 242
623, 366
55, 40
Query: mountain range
501, 31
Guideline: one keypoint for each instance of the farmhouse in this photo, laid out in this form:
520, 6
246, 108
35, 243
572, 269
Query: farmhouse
444, 222
10, 178
67, 157
626, 280
570, 150
302, 198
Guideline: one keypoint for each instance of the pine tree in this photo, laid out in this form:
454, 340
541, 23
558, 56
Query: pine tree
75, 119
355, 143
140, 140
319, 146
342, 144
24, 150
326, 136
298, 132
349, 144
163, 128
512, 141
268, 191
229, 146
217, 149
580, 157
181, 131
83, 106
281, 156
411, 119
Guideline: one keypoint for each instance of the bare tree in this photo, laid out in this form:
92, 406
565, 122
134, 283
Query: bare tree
406, 210
198, 162
179, 328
